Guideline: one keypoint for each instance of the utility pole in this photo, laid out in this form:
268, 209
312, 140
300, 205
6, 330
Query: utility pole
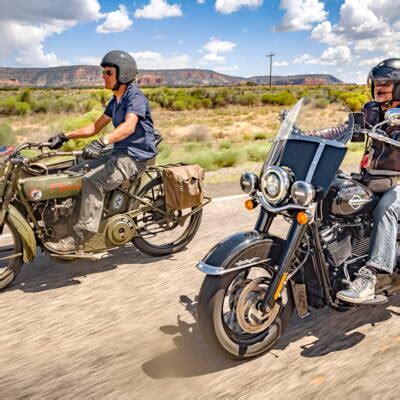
270, 68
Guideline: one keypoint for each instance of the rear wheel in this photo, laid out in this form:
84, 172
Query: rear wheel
10, 262
159, 235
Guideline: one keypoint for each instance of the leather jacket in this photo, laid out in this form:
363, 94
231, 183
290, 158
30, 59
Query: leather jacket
383, 159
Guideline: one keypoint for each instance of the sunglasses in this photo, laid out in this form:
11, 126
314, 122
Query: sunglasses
108, 72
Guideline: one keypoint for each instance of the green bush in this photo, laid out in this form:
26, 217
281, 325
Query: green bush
321, 103
164, 151
227, 158
25, 96
225, 144
22, 108
192, 146
41, 106
7, 136
283, 98
8, 105
64, 105
179, 105
205, 159
255, 152
260, 136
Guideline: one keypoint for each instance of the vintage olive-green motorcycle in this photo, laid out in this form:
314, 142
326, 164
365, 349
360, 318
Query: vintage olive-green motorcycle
40, 201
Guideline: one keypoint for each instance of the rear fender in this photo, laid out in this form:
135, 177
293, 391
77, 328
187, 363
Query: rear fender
246, 248
16, 219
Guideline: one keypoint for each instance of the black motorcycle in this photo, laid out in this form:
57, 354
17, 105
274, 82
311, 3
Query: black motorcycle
256, 280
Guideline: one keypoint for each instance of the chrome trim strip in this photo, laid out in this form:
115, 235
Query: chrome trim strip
264, 203
219, 271
315, 162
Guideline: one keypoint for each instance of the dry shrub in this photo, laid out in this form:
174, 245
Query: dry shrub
198, 133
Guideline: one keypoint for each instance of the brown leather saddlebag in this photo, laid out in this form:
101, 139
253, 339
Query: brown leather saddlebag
183, 186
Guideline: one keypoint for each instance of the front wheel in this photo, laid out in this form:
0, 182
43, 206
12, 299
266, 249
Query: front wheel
228, 314
159, 235
10, 255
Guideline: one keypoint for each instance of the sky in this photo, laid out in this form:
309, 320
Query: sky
344, 38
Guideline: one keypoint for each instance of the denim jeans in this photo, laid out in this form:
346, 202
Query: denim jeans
382, 252
106, 173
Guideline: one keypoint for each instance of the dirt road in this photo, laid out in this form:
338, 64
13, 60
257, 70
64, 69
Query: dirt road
124, 328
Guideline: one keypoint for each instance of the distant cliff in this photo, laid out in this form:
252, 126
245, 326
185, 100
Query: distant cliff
90, 76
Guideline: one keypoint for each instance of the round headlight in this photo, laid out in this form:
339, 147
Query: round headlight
303, 193
275, 184
249, 182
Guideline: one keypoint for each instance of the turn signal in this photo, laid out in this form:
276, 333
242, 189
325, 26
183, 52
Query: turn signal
302, 218
250, 204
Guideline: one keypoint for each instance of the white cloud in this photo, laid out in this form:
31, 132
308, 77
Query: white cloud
88, 60
226, 68
201, 1
154, 60
116, 21
331, 56
219, 46
24, 27
213, 58
40, 11
159, 9
301, 14
281, 64
305, 59
336, 55
231, 6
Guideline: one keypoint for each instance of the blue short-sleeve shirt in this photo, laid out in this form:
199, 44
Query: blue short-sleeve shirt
140, 144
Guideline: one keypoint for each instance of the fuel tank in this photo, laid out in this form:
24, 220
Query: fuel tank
51, 186
349, 198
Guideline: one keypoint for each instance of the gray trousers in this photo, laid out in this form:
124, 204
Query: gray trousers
382, 253
105, 173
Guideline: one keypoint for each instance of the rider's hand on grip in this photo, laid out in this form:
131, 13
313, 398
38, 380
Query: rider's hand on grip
57, 141
94, 149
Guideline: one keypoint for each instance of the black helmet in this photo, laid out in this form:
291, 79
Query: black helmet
123, 62
386, 71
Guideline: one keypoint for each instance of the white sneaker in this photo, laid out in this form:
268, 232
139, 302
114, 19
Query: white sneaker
361, 289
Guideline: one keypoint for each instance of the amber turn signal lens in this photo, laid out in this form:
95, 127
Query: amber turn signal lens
250, 204
302, 218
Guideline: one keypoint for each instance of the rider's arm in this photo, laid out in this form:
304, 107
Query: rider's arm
124, 130
330, 133
91, 129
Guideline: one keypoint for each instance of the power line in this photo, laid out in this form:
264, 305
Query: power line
270, 68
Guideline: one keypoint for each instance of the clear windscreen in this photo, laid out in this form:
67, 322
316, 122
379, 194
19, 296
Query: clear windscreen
305, 119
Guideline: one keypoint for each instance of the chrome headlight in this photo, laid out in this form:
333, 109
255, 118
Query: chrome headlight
275, 184
249, 182
303, 193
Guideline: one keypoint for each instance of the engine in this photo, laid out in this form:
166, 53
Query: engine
346, 241
57, 216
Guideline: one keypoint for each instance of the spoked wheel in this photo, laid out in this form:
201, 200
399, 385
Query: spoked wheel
158, 234
10, 255
229, 315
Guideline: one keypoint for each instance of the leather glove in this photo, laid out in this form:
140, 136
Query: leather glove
93, 150
57, 141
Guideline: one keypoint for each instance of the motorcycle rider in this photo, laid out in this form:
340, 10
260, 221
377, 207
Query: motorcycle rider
133, 142
384, 161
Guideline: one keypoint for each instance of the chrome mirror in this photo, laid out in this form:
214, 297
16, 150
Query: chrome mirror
393, 116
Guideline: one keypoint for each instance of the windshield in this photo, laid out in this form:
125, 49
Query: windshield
304, 118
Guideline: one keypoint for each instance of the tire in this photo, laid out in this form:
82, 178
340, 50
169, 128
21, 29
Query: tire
220, 336
10, 269
163, 249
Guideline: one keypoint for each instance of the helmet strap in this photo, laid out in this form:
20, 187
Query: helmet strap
116, 86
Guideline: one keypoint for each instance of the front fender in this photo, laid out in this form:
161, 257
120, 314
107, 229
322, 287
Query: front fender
16, 219
248, 248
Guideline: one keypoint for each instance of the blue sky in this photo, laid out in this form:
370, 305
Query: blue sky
342, 37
